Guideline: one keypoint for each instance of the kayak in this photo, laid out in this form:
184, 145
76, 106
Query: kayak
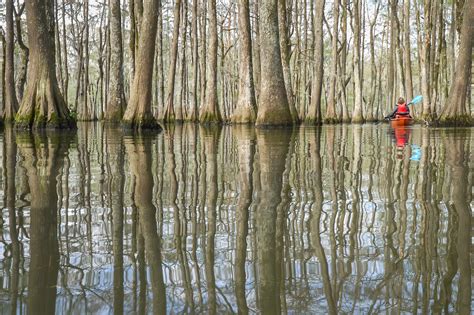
401, 121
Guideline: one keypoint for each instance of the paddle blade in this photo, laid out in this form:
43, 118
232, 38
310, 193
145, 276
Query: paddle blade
416, 100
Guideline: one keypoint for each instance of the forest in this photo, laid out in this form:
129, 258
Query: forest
264, 62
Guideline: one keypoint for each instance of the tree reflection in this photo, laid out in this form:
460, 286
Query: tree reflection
334, 219
43, 157
138, 150
272, 147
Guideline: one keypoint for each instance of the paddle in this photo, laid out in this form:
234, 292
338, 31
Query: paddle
416, 100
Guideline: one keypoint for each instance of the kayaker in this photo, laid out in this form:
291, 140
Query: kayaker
401, 109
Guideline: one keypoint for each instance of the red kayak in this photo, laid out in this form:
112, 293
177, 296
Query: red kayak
401, 121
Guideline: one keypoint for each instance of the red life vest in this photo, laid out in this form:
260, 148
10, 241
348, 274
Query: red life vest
402, 109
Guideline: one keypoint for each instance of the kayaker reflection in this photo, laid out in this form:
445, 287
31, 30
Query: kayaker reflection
402, 136
401, 110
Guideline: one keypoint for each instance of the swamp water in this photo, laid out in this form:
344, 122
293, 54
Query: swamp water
340, 219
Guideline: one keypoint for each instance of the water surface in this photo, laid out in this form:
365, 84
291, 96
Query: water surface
338, 219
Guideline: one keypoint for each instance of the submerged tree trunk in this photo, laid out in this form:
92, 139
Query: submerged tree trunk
246, 110
314, 112
210, 111
11, 102
169, 115
138, 114
116, 95
454, 111
43, 105
273, 108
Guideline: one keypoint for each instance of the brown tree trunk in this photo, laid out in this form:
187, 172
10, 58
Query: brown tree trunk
454, 111
43, 105
138, 114
24, 55
314, 113
116, 95
2, 75
11, 102
285, 56
210, 112
426, 61
203, 23
246, 111
407, 50
357, 114
273, 108
194, 110
66, 68
331, 115
169, 115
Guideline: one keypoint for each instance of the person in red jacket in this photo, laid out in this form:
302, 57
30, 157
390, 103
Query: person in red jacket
401, 109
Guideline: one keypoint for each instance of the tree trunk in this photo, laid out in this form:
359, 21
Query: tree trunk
407, 51
116, 95
11, 102
161, 70
210, 111
43, 105
203, 21
138, 114
2, 76
169, 115
246, 111
273, 106
194, 111
331, 115
425, 62
285, 56
314, 113
454, 111
343, 80
66, 70
357, 114
24, 55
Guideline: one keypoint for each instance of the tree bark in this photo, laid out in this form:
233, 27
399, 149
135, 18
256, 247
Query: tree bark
43, 105
454, 111
314, 112
210, 112
273, 106
170, 113
11, 102
246, 111
116, 95
138, 114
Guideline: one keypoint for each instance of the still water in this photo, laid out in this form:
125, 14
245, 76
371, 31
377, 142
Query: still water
340, 219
